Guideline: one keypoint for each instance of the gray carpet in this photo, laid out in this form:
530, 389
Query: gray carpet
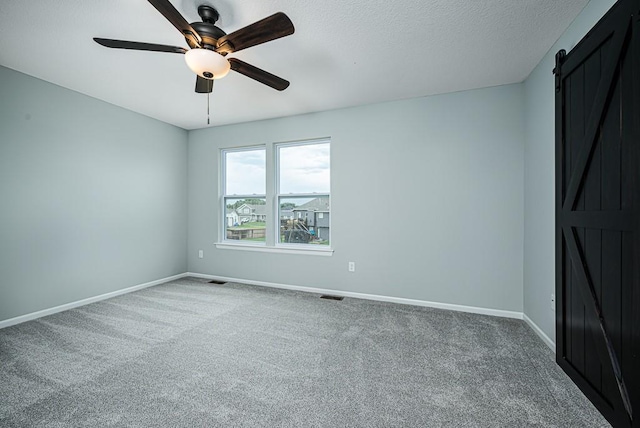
189, 354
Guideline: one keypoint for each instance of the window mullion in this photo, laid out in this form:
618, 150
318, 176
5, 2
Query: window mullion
271, 205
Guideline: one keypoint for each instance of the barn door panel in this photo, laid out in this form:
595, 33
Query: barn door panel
597, 214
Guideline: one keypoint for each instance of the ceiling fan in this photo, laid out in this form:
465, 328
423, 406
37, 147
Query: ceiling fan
209, 45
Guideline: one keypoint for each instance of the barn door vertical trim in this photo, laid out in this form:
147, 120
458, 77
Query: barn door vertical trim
559, 110
635, 331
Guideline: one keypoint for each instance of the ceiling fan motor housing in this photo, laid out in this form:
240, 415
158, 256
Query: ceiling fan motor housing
207, 28
209, 34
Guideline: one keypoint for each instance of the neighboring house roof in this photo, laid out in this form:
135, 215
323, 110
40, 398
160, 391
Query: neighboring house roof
258, 209
255, 209
317, 204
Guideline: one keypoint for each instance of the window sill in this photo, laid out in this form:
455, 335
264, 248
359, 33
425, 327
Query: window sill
277, 249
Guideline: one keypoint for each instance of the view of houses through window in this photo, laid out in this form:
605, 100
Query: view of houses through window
246, 219
301, 194
304, 220
245, 194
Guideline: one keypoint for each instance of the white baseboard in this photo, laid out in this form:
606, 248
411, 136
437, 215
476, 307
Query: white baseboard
401, 300
376, 297
66, 306
546, 339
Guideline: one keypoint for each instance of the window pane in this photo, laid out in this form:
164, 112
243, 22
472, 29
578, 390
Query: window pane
245, 219
304, 220
245, 172
304, 168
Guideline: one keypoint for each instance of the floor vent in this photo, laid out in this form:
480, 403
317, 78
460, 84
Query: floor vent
329, 297
214, 281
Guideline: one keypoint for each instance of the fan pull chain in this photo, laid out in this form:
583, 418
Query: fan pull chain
208, 104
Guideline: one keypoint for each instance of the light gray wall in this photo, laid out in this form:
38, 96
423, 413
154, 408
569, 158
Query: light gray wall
92, 197
454, 163
539, 235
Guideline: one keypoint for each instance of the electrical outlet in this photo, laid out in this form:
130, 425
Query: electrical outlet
352, 266
553, 302
200, 254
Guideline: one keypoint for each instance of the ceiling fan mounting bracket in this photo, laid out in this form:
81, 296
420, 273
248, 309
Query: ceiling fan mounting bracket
208, 14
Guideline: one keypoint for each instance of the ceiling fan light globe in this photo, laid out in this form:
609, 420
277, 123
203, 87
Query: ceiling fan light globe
205, 63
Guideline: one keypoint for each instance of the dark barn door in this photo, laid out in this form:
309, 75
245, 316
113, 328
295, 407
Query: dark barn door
597, 215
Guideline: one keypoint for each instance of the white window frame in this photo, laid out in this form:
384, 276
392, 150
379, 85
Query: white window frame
272, 207
279, 195
224, 196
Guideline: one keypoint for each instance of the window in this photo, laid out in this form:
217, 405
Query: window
303, 189
244, 195
292, 210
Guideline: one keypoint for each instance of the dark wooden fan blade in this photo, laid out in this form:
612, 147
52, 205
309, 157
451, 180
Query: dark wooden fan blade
138, 46
173, 16
204, 86
258, 74
271, 28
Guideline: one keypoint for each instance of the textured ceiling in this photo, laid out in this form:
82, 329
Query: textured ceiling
343, 53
